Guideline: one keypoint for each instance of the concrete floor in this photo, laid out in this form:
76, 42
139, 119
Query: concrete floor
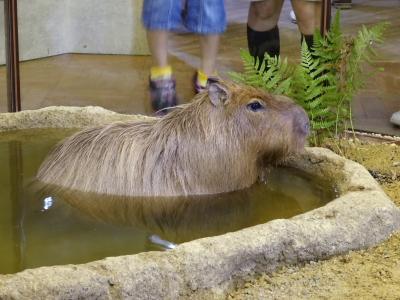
119, 82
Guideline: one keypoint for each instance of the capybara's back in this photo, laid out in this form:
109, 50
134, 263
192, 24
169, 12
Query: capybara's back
214, 144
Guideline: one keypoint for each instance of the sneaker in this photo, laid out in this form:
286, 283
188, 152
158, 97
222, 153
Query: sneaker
293, 17
199, 88
162, 94
395, 119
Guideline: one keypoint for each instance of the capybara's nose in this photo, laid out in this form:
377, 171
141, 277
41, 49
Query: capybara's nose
301, 122
306, 127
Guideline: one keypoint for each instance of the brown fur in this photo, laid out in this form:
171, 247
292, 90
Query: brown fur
203, 147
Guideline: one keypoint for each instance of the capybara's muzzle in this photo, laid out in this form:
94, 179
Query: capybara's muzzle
301, 123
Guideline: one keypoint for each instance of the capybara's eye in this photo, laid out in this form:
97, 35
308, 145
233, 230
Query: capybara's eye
255, 106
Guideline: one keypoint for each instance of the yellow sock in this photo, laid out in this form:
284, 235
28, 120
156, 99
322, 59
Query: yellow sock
201, 78
157, 72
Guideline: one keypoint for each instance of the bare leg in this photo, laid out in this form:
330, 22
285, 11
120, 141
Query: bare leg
209, 49
158, 44
262, 28
308, 15
162, 84
264, 15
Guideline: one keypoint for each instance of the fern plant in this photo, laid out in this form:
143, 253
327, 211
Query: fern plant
312, 90
324, 82
277, 77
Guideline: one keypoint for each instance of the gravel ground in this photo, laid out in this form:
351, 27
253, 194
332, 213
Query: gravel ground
367, 274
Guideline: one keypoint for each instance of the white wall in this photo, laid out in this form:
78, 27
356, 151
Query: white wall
42, 28
51, 27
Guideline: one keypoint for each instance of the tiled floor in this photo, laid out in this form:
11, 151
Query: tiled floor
119, 83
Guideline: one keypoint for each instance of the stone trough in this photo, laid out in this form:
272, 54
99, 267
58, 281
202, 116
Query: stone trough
360, 217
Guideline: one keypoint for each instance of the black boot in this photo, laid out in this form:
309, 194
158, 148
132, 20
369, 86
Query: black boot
309, 38
261, 42
341, 4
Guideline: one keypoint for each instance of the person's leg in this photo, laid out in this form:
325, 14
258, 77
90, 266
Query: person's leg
341, 4
262, 28
206, 18
158, 46
308, 16
264, 15
209, 50
207, 72
159, 17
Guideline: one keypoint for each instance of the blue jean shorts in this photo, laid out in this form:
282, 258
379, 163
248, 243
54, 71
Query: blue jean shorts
198, 16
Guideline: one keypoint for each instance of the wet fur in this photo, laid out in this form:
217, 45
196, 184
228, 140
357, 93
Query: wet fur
198, 148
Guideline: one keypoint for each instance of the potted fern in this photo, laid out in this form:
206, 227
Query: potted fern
324, 82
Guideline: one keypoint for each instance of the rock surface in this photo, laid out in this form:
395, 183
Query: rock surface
373, 273
61, 117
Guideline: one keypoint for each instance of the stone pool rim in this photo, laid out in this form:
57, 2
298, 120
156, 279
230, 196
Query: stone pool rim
361, 217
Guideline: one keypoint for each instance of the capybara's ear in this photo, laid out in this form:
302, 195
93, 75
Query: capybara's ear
218, 94
283, 98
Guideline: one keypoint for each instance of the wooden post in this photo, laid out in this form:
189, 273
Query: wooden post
325, 16
12, 55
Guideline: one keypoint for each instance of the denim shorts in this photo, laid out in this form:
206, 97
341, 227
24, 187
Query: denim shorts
198, 16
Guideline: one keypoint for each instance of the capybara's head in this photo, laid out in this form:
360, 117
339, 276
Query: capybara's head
271, 126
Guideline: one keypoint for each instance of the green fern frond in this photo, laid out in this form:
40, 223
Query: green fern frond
325, 81
318, 125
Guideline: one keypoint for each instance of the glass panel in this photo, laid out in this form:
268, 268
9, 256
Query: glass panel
80, 53
379, 98
374, 104
260, 18
59, 67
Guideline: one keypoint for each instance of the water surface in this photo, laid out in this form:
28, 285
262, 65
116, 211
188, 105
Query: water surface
40, 226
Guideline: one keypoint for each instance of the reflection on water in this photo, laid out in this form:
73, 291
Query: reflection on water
41, 225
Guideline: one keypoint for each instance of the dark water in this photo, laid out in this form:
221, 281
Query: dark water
40, 226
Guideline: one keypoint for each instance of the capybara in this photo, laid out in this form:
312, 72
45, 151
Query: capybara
217, 143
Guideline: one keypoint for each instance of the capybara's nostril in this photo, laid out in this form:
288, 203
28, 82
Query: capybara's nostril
302, 127
306, 127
